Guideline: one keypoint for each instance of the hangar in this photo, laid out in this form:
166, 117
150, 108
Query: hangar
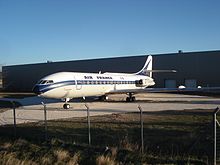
193, 69
0, 80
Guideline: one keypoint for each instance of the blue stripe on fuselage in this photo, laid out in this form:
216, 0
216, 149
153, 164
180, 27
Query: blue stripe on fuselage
46, 87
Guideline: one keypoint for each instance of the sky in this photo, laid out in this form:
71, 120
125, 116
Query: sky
35, 31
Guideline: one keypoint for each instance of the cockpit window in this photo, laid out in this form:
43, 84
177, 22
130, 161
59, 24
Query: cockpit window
40, 81
49, 82
45, 82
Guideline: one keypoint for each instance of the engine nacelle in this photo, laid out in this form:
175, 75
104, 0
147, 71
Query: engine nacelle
142, 82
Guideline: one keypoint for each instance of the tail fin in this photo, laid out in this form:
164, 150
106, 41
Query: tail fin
146, 70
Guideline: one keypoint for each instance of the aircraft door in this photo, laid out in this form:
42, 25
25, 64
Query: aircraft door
78, 84
115, 87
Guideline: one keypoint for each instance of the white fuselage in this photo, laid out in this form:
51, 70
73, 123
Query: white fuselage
69, 85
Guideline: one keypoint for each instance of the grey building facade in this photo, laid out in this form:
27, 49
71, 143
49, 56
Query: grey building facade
193, 69
0, 80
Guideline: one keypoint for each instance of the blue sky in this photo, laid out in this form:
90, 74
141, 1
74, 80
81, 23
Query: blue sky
33, 31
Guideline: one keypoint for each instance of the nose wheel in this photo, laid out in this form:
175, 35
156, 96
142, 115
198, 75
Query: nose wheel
66, 106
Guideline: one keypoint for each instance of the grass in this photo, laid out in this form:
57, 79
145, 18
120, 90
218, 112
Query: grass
170, 137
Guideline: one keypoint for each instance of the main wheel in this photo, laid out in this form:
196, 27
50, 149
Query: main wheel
66, 106
130, 99
133, 98
103, 98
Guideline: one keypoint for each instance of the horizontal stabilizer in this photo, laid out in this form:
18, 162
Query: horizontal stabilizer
162, 71
166, 90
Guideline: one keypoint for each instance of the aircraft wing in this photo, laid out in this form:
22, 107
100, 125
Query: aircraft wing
145, 90
167, 90
124, 91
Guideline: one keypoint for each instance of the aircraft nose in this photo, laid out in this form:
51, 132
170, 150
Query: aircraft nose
37, 90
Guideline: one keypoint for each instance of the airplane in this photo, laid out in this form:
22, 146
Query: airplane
69, 85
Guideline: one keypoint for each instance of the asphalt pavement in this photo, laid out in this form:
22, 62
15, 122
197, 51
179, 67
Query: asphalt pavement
32, 109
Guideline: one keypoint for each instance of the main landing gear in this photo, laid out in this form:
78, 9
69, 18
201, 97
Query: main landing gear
130, 98
66, 105
103, 98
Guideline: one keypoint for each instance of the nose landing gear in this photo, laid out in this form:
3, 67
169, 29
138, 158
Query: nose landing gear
66, 105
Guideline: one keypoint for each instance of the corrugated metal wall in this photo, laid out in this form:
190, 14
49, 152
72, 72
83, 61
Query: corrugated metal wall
202, 66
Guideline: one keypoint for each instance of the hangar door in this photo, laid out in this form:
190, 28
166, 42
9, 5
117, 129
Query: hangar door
190, 83
170, 83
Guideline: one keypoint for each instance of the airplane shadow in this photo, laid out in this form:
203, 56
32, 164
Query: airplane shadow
35, 100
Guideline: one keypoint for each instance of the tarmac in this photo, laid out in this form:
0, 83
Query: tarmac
32, 109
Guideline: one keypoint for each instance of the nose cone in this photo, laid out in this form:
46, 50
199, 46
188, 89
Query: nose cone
37, 90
